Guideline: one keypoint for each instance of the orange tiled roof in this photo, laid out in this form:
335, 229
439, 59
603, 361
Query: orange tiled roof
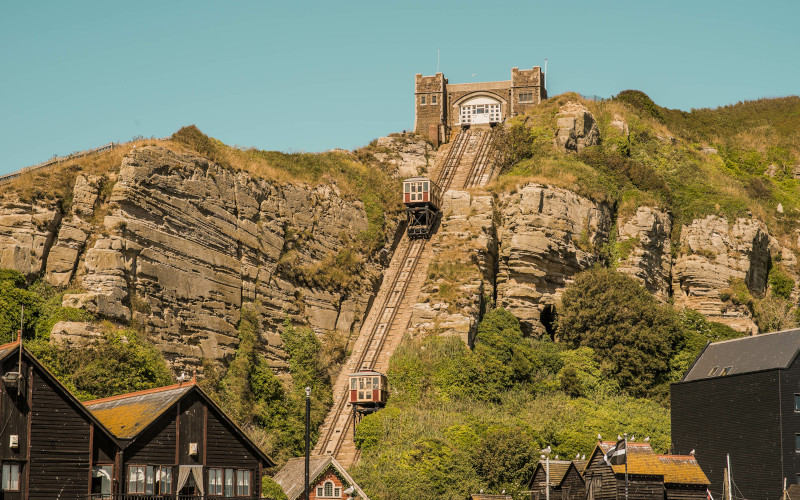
682, 469
5, 348
641, 459
128, 414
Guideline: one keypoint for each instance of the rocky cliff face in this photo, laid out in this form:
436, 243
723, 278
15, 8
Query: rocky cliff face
546, 235
462, 272
182, 244
714, 253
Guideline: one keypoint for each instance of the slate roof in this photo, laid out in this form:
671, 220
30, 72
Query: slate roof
682, 469
292, 475
127, 415
768, 351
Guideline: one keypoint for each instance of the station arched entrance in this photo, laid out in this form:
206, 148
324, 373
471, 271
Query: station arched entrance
480, 109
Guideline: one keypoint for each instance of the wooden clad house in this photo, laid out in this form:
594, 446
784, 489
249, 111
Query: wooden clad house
175, 439
327, 479
741, 399
50, 445
650, 476
566, 482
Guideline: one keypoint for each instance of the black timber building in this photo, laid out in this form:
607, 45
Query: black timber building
149, 444
50, 444
741, 398
176, 440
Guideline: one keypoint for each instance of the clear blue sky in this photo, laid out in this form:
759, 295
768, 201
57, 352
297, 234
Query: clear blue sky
310, 76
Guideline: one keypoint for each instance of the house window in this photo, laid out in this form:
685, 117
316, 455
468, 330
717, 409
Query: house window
797, 402
102, 479
215, 481
243, 483
796, 443
10, 477
422, 100
149, 479
228, 482
329, 490
434, 99
526, 97
165, 479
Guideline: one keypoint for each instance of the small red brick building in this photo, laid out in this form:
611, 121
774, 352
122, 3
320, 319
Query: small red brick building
328, 479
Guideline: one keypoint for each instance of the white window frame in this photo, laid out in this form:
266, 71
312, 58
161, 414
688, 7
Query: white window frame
336, 491
434, 99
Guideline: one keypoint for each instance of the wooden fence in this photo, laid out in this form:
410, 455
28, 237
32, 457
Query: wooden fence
58, 159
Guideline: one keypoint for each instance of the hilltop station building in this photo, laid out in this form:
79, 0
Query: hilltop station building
441, 106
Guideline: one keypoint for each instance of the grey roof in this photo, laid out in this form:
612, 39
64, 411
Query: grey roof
292, 475
558, 469
768, 351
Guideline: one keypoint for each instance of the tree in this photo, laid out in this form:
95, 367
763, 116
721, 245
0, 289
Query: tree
632, 335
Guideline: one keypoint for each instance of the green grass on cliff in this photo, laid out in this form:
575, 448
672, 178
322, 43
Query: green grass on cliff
662, 161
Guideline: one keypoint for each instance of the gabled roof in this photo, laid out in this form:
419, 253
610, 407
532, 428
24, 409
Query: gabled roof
126, 415
580, 465
292, 476
675, 469
641, 459
768, 351
12, 348
682, 469
558, 471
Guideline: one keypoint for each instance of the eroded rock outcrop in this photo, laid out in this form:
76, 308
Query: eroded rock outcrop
462, 270
405, 155
576, 128
643, 240
546, 236
27, 231
714, 254
74, 231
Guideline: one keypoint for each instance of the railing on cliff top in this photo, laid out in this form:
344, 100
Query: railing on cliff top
58, 159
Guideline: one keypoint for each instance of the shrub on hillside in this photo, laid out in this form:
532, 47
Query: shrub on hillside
640, 101
631, 333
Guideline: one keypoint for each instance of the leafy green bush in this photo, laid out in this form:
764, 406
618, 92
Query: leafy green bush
780, 282
631, 333
120, 361
642, 102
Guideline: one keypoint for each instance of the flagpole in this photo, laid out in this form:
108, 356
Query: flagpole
626, 466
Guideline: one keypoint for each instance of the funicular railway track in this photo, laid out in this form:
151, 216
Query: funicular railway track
383, 327
480, 163
333, 438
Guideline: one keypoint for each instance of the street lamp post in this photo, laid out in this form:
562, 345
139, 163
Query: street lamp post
308, 441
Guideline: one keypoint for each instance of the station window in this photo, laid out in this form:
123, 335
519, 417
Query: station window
434, 99
10, 477
422, 100
526, 97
